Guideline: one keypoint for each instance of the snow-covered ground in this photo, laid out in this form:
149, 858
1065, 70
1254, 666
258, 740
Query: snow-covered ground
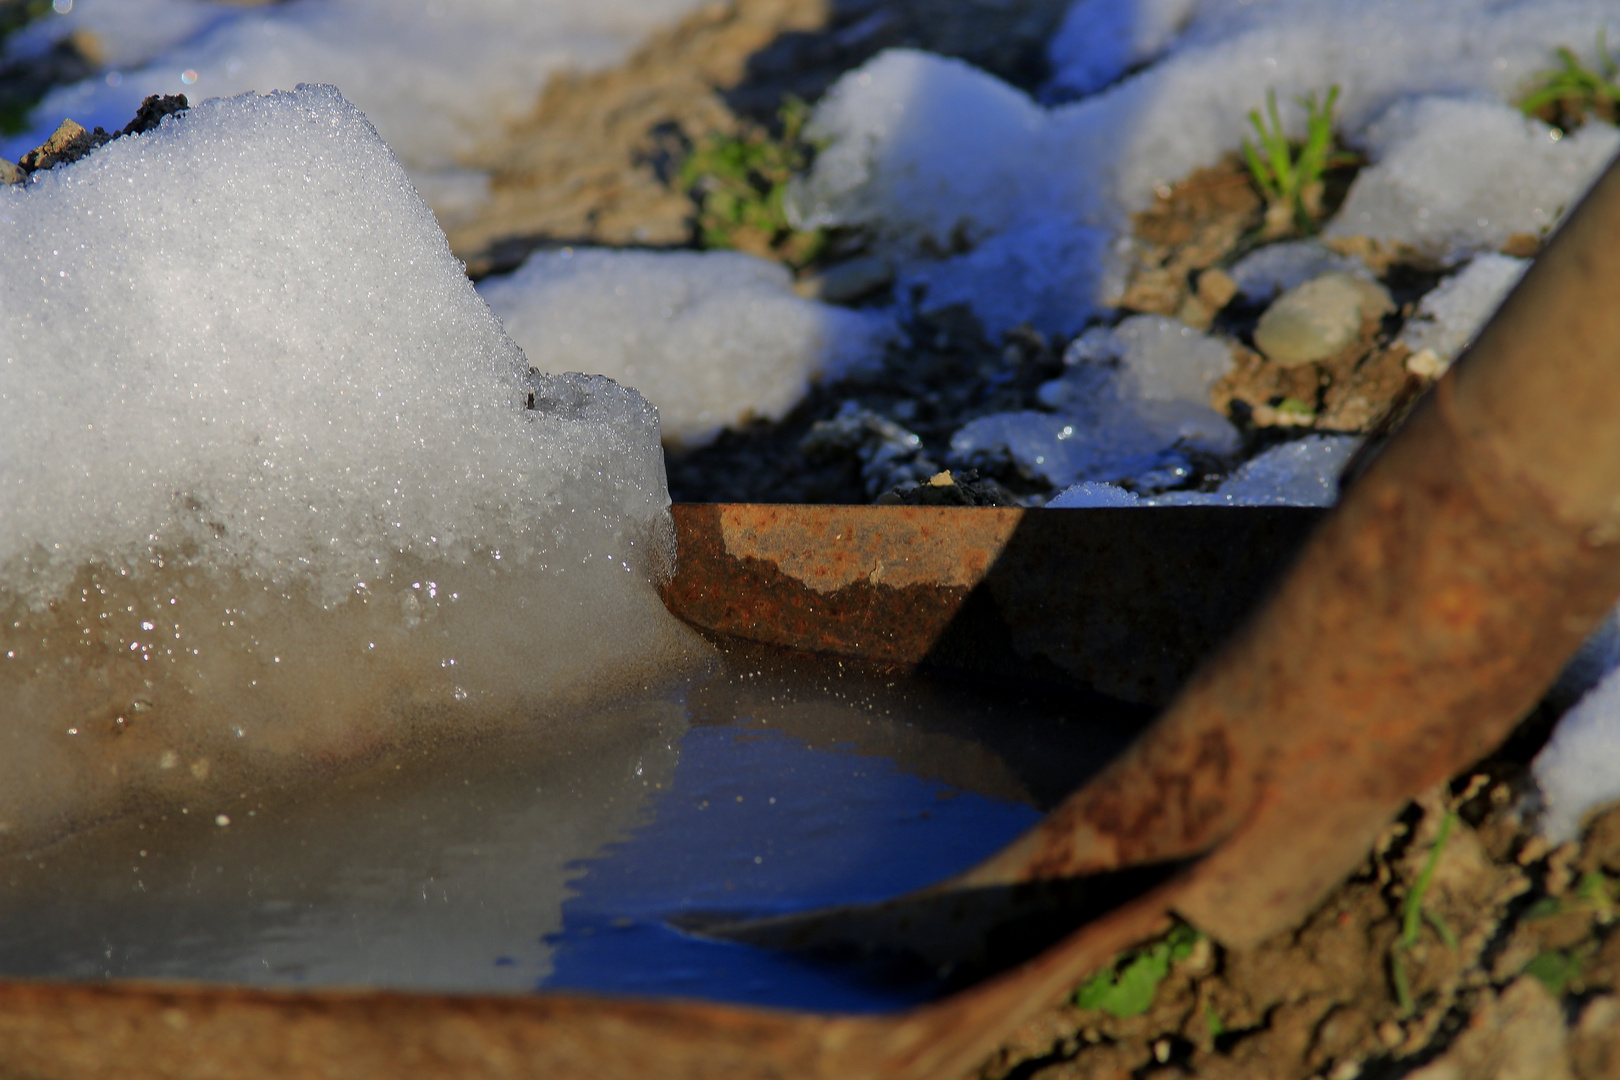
1018, 207
715, 338
438, 79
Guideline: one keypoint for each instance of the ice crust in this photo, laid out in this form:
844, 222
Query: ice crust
938, 157
710, 338
439, 79
1449, 316
271, 490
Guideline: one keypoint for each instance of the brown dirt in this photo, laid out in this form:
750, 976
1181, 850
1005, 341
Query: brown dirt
1320, 1001
592, 163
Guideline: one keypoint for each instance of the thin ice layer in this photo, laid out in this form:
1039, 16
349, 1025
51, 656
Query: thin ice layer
711, 338
271, 488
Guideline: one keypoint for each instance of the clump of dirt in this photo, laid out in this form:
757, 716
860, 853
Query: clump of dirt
70, 141
1474, 955
1192, 226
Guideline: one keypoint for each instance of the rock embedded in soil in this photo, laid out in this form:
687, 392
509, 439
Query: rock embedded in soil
1320, 318
1516, 1035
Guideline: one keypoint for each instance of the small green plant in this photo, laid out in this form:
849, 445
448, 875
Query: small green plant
1566, 95
1413, 915
18, 97
740, 182
1555, 970
1127, 989
1288, 174
16, 14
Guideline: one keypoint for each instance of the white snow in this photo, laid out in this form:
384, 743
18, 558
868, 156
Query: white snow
1134, 396
710, 338
1304, 472
121, 33
438, 79
1456, 177
1093, 495
1276, 268
271, 491
1158, 358
945, 162
1100, 40
1579, 769
1449, 317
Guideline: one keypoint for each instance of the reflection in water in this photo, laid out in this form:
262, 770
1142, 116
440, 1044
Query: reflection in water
555, 857
786, 828
443, 870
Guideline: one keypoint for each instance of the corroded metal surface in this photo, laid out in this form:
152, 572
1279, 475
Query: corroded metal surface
1123, 602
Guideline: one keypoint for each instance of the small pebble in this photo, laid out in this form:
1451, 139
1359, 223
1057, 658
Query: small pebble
1319, 318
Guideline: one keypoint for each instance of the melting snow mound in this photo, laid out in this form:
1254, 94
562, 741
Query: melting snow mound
1456, 177
276, 489
711, 338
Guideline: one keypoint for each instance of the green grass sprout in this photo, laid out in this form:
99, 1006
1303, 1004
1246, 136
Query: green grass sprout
1555, 970
1597, 892
1567, 95
17, 103
740, 181
1413, 916
1290, 175
1128, 988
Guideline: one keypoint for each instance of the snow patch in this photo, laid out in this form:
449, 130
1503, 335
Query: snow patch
1457, 177
712, 338
1133, 400
1450, 316
1304, 472
940, 159
438, 79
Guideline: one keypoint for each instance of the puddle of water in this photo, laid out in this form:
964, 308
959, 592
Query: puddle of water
553, 858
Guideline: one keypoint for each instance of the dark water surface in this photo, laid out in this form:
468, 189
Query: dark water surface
553, 858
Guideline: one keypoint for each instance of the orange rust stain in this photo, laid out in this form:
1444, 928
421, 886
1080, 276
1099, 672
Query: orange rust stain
831, 548
1457, 608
